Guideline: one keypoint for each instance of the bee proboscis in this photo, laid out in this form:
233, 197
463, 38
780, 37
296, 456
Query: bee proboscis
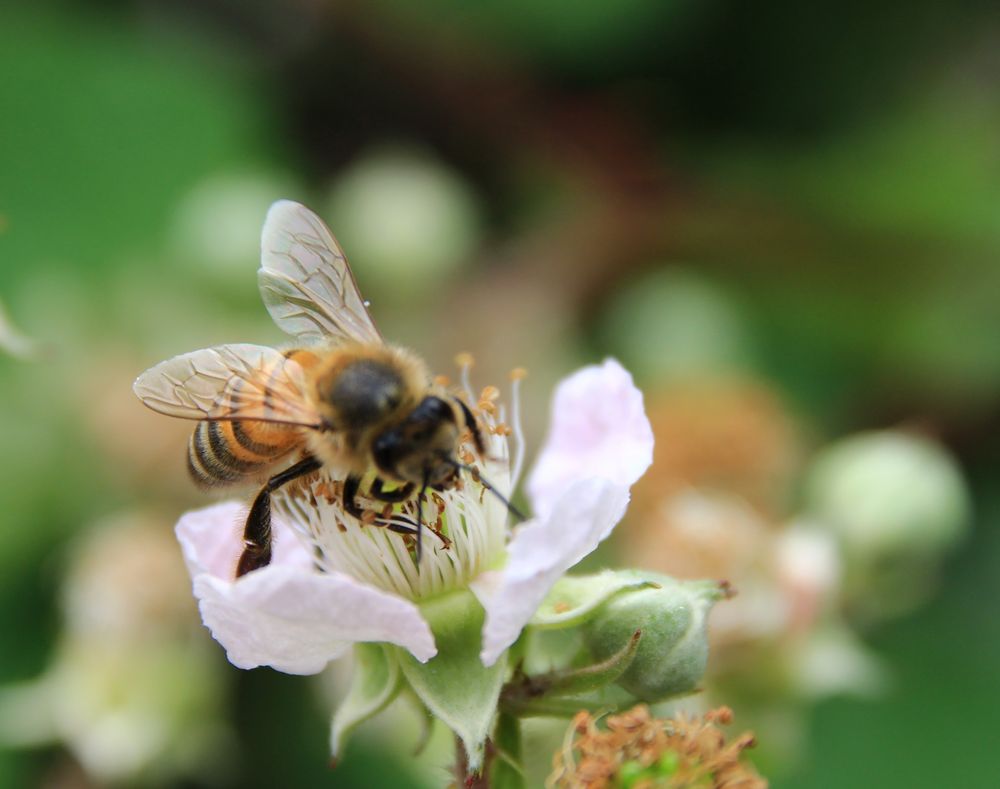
344, 399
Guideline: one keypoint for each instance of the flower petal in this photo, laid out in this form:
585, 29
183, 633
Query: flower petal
287, 615
298, 620
212, 538
540, 552
599, 429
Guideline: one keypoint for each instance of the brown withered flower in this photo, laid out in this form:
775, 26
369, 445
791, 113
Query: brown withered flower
634, 750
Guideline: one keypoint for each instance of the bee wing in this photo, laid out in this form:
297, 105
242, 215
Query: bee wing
229, 382
305, 280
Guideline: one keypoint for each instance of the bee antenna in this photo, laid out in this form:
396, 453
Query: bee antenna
488, 485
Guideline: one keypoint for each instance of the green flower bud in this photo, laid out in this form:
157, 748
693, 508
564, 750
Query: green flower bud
673, 648
896, 502
410, 219
688, 314
216, 229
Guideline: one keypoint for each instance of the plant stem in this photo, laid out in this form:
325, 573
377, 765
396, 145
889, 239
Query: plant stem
471, 780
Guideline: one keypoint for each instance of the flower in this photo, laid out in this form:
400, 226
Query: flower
335, 581
132, 690
634, 749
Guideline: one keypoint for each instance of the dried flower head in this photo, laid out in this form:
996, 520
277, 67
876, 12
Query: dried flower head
734, 438
638, 751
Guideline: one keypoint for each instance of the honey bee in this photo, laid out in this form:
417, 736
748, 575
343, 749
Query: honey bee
344, 400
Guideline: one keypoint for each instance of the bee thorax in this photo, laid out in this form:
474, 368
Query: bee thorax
362, 393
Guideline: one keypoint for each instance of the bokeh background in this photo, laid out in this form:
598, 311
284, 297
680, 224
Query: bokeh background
784, 218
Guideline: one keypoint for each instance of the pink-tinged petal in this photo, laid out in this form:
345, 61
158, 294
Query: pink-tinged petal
540, 552
287, 615
212, 539
599, 429
297, 620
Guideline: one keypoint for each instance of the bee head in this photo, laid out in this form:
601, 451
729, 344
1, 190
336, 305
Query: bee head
415, 450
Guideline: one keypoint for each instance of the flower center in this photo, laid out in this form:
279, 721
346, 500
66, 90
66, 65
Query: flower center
464, 529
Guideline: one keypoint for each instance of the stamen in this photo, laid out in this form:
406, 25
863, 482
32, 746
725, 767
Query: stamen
487, 485
465, 361
386, 548
516, 376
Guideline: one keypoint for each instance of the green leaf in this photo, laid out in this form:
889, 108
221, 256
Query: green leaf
575, 597
375, 683
455, 685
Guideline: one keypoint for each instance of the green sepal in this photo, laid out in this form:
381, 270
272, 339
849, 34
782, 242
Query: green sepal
375, 683
424, 718
610, 697
455, 685
526, 693
574, 598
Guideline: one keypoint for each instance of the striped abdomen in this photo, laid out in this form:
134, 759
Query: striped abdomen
228, 452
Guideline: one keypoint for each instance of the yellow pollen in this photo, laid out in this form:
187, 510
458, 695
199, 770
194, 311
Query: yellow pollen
464, 359
518, 374
489, 393
442, 380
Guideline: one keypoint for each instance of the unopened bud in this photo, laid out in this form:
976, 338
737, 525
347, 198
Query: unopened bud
673, 648
895, 502
882, 490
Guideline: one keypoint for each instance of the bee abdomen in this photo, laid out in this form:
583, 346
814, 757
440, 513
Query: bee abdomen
225, 452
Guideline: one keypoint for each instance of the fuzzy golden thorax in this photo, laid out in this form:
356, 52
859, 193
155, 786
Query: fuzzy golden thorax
360, 391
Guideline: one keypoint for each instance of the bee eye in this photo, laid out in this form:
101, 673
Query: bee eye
434, 409
387, 449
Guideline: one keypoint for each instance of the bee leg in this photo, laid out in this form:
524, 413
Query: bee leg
399, 523
351, 486
420, 517
257, 532
399, 528
379, 492
473, 426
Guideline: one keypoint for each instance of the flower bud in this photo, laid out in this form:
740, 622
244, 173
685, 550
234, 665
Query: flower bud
216, 229
895, 502
673, 648
696, 320
407, 216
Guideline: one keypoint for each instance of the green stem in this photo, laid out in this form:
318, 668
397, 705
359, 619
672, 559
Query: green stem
467, 779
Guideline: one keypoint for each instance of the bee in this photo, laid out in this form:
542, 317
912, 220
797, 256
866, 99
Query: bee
344, 400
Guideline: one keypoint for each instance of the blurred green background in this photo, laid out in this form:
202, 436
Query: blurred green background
805, 196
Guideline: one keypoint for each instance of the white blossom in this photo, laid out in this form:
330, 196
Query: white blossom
335, 581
